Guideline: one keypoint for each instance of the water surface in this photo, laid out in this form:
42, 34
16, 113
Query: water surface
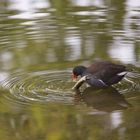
40, 42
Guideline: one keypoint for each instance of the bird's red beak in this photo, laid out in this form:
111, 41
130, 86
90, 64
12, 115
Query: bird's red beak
74, 77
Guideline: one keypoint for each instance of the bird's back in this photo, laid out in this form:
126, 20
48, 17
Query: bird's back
105, 70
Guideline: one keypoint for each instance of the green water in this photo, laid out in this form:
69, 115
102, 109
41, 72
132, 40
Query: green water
40, 42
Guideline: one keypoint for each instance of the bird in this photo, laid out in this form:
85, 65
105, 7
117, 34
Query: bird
99, 74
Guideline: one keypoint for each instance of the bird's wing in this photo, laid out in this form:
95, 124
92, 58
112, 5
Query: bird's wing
97, 66
93, 81
105, 68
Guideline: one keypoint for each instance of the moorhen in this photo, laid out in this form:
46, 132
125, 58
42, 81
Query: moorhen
100, 74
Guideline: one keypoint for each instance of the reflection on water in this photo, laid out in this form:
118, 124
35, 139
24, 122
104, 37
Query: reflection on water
40, 42
79, 31
107, 100
56, 86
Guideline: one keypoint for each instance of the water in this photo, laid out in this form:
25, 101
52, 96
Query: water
40, 42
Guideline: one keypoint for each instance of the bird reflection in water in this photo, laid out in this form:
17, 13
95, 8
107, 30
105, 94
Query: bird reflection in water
107, 100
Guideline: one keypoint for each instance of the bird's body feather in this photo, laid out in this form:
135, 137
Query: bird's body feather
103, 73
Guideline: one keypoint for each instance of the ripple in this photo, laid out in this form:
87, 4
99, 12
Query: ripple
42, 87
54, 87
130, 83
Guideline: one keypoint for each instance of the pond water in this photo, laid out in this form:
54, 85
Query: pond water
40, 42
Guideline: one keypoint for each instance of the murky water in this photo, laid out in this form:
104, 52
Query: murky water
40, 42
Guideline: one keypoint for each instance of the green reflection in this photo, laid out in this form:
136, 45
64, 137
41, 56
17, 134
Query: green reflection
55, 121
58, 37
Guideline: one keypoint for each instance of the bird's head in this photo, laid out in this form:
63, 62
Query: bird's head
78, 71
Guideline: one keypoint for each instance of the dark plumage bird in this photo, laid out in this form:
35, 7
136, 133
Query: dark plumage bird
100, 74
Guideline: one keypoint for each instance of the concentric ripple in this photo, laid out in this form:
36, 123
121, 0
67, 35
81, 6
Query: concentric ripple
48, 86
40, 86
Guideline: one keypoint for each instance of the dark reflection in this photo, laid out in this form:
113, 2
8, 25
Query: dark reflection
108, 99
